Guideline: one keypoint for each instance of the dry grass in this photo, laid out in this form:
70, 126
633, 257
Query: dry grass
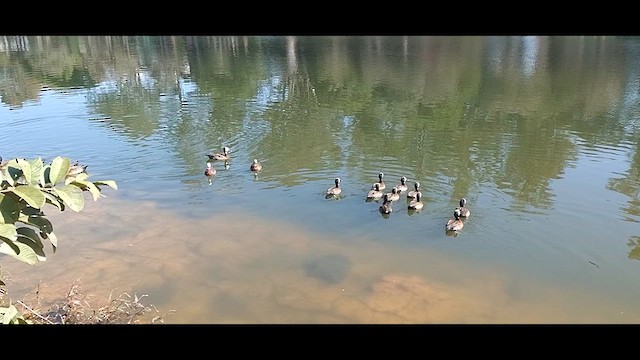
75, 308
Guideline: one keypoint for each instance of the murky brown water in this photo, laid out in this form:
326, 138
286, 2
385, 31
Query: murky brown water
234, 269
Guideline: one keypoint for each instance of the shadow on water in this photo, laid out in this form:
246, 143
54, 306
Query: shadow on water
331, 269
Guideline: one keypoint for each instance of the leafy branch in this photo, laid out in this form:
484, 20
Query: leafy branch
25, 188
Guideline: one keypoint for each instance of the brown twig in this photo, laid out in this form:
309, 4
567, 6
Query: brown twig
34, 312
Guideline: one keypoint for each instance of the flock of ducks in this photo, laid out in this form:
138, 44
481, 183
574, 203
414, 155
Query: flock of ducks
210, 171
414, 196
376, 193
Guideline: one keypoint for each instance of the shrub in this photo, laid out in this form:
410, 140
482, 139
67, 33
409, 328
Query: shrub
25, 188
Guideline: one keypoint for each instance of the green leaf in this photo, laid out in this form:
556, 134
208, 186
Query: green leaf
53, 200
8, 231
109, 183
32, 195
9, 247
35, 245
8, 234
29, 233
82, 176
52, 238
46, 176
8, 314
23, 217
31, 211
40, 222
9, 210
14, 170
36, 171
59, 168
26, 169
7, 177
72, 197
25, 253
88, 185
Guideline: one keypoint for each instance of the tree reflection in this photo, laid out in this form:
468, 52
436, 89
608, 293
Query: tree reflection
630, 185
471, 110
634, 244
627, 124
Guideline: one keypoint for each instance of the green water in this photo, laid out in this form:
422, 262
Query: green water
538, 133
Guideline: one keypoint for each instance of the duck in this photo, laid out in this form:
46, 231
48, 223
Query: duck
223, 156
385, 208
209, 171
403, 185
412, 193
336, 190
375, 192
255, 166
381, 182
416, 204
464, 211
76, 169
393, 195
454, 224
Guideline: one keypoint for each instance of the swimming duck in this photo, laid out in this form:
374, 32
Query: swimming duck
223, 156
454, 224
464, 211
412, 193
375, 192
416, 204
393, 195
403, 185
381, 182
336, 190
385, 208
209, 171
256, 166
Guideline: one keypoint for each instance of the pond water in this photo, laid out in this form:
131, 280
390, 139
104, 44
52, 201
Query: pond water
538, 133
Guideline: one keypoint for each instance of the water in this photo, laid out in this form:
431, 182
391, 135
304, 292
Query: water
538, 133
